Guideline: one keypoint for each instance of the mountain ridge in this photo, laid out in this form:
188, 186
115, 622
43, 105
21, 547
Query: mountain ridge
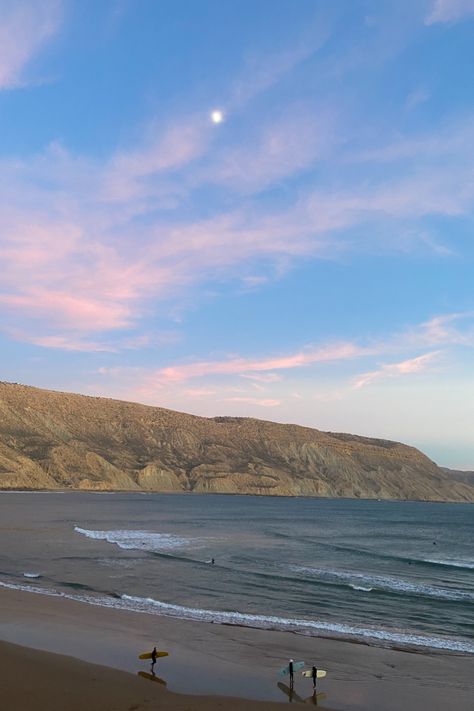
54, 440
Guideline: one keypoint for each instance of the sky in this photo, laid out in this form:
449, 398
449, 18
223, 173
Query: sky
255, 208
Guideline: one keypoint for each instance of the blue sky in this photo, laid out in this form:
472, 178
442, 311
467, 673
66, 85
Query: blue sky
307, 259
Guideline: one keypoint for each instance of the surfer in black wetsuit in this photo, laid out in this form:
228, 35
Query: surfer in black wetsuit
314, 675
290, 669
153, 658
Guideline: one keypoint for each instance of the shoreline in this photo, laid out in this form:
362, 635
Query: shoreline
225, 493
350, 635
229, 660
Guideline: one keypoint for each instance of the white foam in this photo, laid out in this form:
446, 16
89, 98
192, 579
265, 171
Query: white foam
138, 540
32, 575
454, 562
385, 583
312, 627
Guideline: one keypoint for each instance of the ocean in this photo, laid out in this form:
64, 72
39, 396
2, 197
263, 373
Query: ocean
387, 573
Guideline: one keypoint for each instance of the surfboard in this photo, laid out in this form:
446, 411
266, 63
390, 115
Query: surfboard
292, 695
286, 670
320, 674
151, 677
147, 655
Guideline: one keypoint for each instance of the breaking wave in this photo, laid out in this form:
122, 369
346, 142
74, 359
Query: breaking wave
303, 626
368, 582
139, 540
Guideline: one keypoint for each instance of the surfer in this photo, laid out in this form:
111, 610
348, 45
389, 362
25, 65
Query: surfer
212, 561
153, 657
314, 675
290, 669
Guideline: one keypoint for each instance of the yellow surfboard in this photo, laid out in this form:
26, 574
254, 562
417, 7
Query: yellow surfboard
147, 655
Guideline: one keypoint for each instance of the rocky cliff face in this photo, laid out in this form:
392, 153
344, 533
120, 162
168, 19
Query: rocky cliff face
51, 440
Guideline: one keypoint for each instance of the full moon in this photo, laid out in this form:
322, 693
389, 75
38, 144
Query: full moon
217, 116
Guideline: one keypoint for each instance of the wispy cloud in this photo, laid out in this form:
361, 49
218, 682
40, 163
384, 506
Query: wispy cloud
25, 27
91, 246
261, 402
66, 343
301, 136
392, 370
450, 11
246, 366
262, 72
262, 377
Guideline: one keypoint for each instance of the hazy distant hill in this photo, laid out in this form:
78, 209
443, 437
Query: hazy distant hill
52, 440
458, 475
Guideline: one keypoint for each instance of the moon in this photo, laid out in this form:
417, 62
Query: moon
217, 116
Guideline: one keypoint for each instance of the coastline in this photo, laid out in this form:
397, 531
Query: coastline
73, 490
227, 660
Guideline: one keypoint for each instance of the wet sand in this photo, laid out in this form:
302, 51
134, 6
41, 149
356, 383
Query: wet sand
205, 659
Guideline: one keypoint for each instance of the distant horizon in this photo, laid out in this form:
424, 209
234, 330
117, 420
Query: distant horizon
262, 209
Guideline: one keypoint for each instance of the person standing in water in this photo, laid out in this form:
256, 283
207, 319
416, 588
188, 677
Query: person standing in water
314, 675
291, 670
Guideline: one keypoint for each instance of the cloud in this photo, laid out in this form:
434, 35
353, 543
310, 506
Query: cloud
262, 377
93, 246
450, 11
199, 392
66, 343
296, 140
261, 73
442, 331
262, 402
222, 380
25, 27
416, 98
129, 173
246, 366
391, 370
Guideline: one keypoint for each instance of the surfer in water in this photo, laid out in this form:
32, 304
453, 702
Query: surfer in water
290, 669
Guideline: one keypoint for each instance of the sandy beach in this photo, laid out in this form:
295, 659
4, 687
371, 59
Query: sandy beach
207, 662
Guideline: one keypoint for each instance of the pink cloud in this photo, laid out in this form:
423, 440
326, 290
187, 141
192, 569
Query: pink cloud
442, 331
243, 366
286, 146
87, 246
199, 392
262, 377
450, 11
406, 367
264, 402
25, 27
128, 173
77, 313
66, 343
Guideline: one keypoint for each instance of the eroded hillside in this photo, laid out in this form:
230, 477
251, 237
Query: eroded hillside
51, 440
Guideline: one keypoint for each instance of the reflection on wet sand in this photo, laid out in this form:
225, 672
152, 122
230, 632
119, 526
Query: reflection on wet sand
315, 699
152, 677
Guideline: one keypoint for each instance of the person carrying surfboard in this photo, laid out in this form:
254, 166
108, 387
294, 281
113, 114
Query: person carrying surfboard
154, 655
314, 675
291, 671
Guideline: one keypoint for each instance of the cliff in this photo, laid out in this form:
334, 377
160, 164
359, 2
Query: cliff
51, 440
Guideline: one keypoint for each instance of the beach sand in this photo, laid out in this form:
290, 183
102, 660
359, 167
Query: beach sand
207, 662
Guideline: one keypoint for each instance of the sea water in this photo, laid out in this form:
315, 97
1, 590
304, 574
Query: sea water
387, 573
